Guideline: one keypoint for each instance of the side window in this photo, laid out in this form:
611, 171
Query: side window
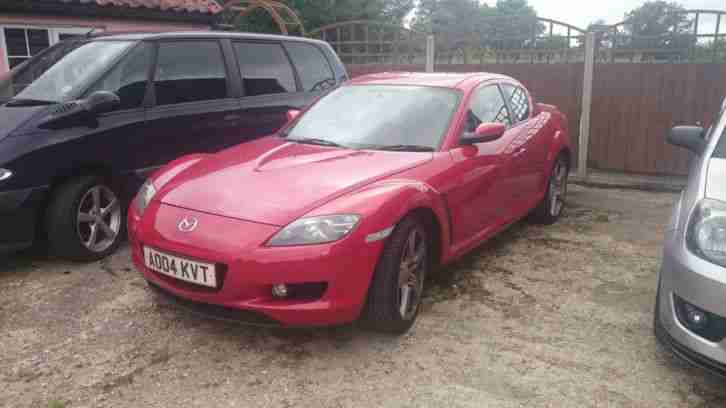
518, 101
265, 69
189, 71
487, 105
313, 68
128, 78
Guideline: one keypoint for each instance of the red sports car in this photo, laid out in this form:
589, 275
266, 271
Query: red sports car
343, 212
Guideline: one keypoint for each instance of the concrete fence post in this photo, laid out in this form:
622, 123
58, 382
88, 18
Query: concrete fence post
584, 140
430, 50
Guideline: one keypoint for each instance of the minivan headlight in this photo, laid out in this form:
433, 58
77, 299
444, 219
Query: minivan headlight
5, 174
144, 197
706, 235
315, 230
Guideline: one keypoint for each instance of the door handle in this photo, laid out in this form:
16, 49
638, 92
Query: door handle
232, 117
520, 152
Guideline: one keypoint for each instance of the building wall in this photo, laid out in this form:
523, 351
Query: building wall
99, 23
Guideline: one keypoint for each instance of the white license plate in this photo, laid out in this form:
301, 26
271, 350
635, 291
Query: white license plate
187, 270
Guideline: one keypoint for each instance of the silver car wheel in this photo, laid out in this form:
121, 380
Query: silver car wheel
98, 218
412, 274
558, 188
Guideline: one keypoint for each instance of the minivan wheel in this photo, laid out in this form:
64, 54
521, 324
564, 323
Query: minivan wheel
395, 293
84, 220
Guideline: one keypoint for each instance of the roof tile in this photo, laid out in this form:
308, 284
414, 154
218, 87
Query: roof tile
199, 6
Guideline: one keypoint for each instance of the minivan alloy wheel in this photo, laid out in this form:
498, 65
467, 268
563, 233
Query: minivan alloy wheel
99, 218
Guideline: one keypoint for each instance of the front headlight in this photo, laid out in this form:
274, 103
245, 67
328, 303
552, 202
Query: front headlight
706, 236
315, 230
5, 174
146, 193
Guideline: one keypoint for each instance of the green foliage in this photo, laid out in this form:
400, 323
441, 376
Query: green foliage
459, 24
659, 17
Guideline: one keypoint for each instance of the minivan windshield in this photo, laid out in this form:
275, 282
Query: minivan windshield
381, 117
67, 77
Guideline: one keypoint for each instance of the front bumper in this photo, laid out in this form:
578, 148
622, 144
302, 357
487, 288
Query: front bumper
19, 213
249, 269
702, 284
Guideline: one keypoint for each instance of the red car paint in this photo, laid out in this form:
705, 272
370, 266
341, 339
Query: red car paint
244, 195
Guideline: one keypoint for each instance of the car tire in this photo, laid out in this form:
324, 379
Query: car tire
84, 220
550, 208
394, 296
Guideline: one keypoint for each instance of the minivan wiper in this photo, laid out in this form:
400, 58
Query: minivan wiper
28, 102
402, 148
315, 141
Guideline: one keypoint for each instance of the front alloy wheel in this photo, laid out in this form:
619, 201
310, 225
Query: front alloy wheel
99, 219
395, 293
84, 220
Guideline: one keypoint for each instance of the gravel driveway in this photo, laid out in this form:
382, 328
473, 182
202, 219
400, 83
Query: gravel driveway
555, 316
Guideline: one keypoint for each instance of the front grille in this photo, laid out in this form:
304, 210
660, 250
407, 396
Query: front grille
218, 312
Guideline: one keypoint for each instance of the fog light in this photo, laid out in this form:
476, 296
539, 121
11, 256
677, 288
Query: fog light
696, 317
279, 290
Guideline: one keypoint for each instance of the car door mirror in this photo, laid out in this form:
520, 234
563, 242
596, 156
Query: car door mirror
292, 114
690, 137
485, 132
101, 102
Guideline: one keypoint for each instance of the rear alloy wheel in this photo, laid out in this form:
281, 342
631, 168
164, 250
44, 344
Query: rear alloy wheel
550, 208
84, 220
395, 293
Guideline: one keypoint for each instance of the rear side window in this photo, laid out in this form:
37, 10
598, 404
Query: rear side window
312, 67
518, 101
265, 69
128, 78
189, 71
487, 106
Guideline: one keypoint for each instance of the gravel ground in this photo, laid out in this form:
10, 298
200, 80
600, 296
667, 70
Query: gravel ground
555, 316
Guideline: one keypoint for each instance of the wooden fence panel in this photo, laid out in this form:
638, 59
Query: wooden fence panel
556, 84
634, 106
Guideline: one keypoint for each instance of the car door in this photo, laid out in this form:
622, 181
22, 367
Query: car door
480, 199
270, 87
195, 106
528, 150
118, 136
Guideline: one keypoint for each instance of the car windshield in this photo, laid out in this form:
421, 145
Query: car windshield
386, 117
67, 76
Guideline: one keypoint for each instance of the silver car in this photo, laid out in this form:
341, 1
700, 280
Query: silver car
690, 310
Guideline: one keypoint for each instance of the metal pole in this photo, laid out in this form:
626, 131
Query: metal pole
584, 140
430, 49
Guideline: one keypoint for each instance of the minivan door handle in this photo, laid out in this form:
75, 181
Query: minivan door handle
231, 117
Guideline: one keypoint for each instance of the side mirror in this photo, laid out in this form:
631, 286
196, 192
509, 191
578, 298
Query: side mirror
690, 137
101, 102
292, 114
485, 132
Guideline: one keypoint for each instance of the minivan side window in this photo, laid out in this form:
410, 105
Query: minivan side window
128, 78
189, 71
312, 67
518, 101
265, 68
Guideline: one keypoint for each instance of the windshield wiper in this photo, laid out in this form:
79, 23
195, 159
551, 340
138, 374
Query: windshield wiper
28, 102
402, 148
315, 141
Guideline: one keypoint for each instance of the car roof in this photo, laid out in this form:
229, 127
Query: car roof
137, 36
454, 80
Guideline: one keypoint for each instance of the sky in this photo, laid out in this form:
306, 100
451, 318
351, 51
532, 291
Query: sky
583, 12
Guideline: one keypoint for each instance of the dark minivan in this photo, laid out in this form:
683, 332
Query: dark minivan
77, 140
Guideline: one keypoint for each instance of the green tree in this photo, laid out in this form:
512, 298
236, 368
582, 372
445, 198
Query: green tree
658, 24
